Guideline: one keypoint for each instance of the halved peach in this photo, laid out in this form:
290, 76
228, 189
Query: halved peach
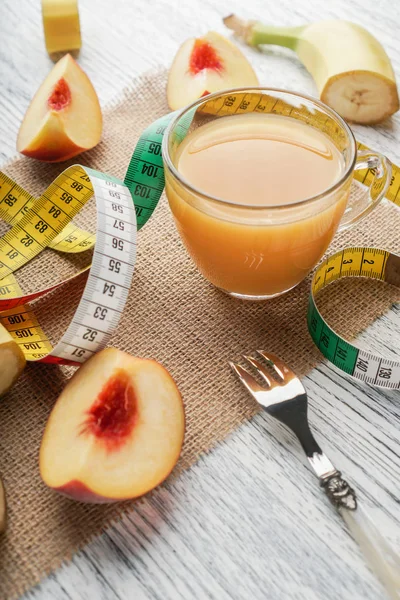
205, 65
115, 432
64, 117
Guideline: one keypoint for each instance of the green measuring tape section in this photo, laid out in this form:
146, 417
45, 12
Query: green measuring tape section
354, 262
145, 174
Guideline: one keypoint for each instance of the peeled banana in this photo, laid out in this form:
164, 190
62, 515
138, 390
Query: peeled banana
12, 360
351, 69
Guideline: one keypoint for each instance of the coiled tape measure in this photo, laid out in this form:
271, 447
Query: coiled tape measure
354, 262
122, 209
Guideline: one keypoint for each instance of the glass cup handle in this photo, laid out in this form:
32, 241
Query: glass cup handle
365, 202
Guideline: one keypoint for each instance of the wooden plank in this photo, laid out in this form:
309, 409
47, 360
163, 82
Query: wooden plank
248, 521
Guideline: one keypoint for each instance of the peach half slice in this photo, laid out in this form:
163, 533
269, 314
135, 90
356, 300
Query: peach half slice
205, 65
64, 117
115, 432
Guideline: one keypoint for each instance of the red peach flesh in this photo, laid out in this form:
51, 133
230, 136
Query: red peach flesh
60, 96
204, 56
113, 415
77, 490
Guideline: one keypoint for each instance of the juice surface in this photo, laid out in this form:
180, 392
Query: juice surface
253, 161
259, 160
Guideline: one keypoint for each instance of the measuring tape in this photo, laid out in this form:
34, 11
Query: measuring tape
354, 262
122, 209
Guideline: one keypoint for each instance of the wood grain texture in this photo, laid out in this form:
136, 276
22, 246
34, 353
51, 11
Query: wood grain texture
248, 521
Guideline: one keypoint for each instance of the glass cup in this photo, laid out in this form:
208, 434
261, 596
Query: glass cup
259, 252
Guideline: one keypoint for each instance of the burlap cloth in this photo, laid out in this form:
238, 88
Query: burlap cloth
172, 315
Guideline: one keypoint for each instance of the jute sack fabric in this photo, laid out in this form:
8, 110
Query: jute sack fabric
172, 315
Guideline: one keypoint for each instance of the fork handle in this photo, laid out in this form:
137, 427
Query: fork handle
379, 555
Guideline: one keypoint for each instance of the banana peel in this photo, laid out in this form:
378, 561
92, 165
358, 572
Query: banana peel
351, 69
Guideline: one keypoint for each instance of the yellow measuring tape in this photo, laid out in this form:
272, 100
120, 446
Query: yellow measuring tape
245, 102
373, 263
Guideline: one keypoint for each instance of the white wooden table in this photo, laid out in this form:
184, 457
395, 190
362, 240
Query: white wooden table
248, 521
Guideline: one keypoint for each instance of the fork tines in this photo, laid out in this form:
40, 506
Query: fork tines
249, 381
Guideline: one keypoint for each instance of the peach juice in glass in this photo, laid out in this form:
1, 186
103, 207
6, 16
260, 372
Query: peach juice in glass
259, 185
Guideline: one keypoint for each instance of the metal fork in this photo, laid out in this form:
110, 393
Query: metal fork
285, 399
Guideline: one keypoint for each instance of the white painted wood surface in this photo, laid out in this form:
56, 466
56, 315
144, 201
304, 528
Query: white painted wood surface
248, 521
